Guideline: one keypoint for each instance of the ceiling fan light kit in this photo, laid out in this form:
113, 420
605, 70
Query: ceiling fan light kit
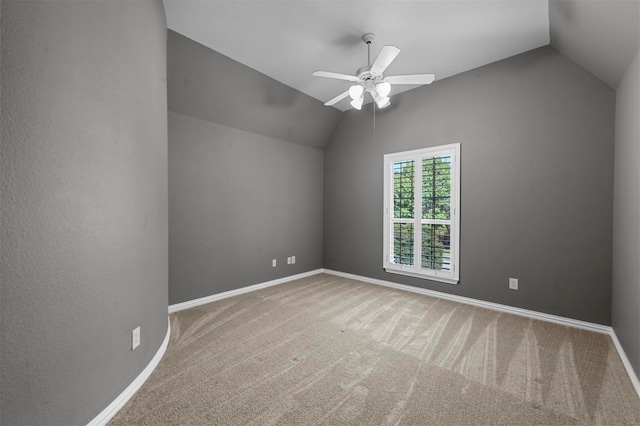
370, 79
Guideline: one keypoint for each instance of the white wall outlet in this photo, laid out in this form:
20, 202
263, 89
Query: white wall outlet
289, 260
273, 263
135, 338
513, 283
293, 259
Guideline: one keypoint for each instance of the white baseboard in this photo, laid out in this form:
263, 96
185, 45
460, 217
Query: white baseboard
111, 410
219, 296
626, 362
569, 322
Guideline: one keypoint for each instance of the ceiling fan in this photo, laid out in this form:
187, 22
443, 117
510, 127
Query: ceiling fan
369, 79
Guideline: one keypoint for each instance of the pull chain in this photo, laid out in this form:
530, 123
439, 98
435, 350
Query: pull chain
373, 105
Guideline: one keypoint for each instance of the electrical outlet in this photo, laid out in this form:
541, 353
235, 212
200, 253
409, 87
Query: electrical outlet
135, 338
293, 259
273, 263
289, 260
513, 283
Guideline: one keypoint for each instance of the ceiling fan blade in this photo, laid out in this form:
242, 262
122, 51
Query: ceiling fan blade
411, 79
328, 74
337, 99
384, 59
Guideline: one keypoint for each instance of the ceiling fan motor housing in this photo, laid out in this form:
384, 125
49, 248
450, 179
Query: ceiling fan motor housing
368, 79
368, 38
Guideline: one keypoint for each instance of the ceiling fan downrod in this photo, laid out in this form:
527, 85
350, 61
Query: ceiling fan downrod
368, 39
369, 82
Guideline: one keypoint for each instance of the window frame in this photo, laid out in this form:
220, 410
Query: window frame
416, 270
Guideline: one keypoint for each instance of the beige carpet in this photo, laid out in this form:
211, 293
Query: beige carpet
328, 350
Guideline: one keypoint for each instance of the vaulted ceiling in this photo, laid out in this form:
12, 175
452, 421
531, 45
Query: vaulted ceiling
288, 40
602, 35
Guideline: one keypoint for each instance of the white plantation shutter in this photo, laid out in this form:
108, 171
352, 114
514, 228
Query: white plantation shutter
422, 213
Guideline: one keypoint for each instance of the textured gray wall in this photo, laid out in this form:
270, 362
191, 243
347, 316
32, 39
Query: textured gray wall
537, 135
626, 217
208, 85
236, 201
84, 204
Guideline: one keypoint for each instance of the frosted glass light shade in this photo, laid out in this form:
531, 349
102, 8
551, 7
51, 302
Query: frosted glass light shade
357, 103
382, 101
355, 91
383, 89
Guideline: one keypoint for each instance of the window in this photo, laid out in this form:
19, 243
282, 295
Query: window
422, 213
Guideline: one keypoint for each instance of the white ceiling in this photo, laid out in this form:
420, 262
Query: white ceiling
289, 40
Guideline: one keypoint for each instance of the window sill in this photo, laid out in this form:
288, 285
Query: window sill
423, 276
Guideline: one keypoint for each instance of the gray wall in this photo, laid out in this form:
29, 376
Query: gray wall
84, 204
236, 201
245, 177
537, 135
626, 217
208, 85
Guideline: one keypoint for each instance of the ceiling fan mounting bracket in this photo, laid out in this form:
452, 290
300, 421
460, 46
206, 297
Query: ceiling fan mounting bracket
368, 38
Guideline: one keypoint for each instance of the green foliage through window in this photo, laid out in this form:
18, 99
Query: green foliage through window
403, 243
403, 187
436, 247
436, 201
436, 187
